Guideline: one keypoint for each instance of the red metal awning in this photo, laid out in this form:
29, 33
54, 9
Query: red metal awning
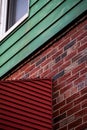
26, 104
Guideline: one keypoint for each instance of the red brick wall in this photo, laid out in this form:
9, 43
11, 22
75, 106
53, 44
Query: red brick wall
65, 61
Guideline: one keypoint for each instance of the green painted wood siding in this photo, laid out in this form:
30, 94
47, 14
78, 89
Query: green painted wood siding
46, 18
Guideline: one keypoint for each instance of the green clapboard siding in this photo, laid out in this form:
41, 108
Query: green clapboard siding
43, 12
46, 19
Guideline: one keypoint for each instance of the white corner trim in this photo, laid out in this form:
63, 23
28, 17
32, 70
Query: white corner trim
3, 16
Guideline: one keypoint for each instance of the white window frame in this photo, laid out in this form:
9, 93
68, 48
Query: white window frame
0, 10
4, 33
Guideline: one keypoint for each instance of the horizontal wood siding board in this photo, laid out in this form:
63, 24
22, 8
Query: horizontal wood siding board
29, 25
58, 25
37, 7
22, 112
38, 30
20, 32
32, 2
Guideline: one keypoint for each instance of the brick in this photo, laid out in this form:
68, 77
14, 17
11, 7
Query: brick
55, 113
74, 90
67, 87
55, 66
59, 105
65, 77
75, 124
64, 128
47, 61
40, 71
71, 55
80, 85
51, 53
70, 44
30, 67
40, 61
82, 24
55, 89
70, 67
84, 40
57, 59
67, 121
70, 119
55, 95
22, 75
82, 36
73, 110
83, 59
52, 73
84, 91
25, 76
85, 118
16, 74
46, 67
54, 102
82, 47
33, 61
34, 70
72, 78
45, 51
84, 70
56, 126
80, 99
86, 82
34, 75
44, 74
76, 57
59, 118
77, 33
67, 94
84, 104
63, 123
66, 108
64, 43
85, 27
79, 80
72, 31
63, 66
64, 55
57, 54
73, 97
60, 98
24, 67
81, 113
58, 87
58, 75
78, 68
82, 127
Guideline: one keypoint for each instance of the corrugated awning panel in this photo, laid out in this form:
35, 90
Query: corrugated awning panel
26, 104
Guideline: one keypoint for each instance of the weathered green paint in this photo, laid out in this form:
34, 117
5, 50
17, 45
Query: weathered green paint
32, 2
29, 25
37, 30
43, 24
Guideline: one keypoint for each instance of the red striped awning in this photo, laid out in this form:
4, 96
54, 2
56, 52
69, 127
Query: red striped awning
26, 104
